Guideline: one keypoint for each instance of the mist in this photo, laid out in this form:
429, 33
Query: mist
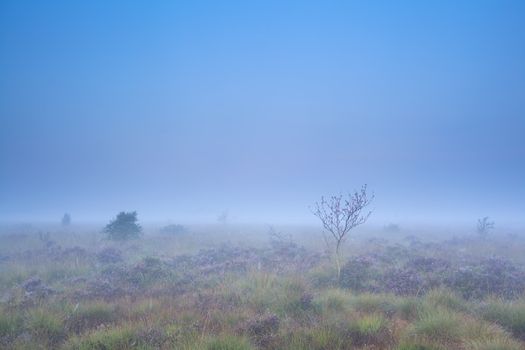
262, 175
181, 111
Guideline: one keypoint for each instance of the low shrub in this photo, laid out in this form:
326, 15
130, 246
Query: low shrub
357, 273
263, 330
493, 276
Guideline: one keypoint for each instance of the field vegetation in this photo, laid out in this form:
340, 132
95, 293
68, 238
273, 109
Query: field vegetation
226, 288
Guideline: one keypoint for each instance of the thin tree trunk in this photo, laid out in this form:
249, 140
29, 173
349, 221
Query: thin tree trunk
338, 260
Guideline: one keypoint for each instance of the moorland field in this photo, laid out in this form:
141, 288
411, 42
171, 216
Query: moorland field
241, 287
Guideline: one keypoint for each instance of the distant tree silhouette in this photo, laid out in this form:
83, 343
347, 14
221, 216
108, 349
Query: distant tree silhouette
223, 217
66, 219
124, 226
484, 226
340, 215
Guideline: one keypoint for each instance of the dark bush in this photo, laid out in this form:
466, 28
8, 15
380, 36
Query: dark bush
403, 281
493, 276
357, 273
124, 226
263, 330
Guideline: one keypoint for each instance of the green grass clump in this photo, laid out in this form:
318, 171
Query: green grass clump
228, 343
369, 329
320, 338
267, 292
415, 347
495, 344
323, 276
510, 315
90, 316
370, 325
437, 325
117, 338
10, 325
334, 300
480, 330
371, 303
409, 308
447, 299
46, 326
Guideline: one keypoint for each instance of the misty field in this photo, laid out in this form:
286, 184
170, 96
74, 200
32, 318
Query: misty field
227, 287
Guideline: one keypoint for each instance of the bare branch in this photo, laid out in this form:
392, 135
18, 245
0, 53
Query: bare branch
340, 215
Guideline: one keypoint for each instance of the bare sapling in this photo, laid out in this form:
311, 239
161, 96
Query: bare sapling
339, 215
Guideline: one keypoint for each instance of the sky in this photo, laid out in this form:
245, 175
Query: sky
183, 109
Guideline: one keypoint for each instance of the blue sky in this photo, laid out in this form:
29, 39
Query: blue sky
183, 109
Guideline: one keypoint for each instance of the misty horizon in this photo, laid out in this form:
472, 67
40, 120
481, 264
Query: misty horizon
181, 111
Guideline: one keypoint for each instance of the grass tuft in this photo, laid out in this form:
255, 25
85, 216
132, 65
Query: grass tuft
10, 325
438, 325
90, 316
319, 338
117, 338
334, 300
510, 315
495, 344
369, 329
371, 303
370, 325
46, 326
228, 342
447, 299
409, 308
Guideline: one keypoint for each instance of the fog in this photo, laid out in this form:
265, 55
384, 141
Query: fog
262, 175
184, 110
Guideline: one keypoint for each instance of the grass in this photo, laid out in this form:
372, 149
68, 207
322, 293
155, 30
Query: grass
495, 344
437, 326
10, 324
319, 338
182, 308
91, 315
416, 347
228, 342
510, 316
46, 326
409, 308
370, 325
446, 299
117, 338
268, 292
370, 303
334, 300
